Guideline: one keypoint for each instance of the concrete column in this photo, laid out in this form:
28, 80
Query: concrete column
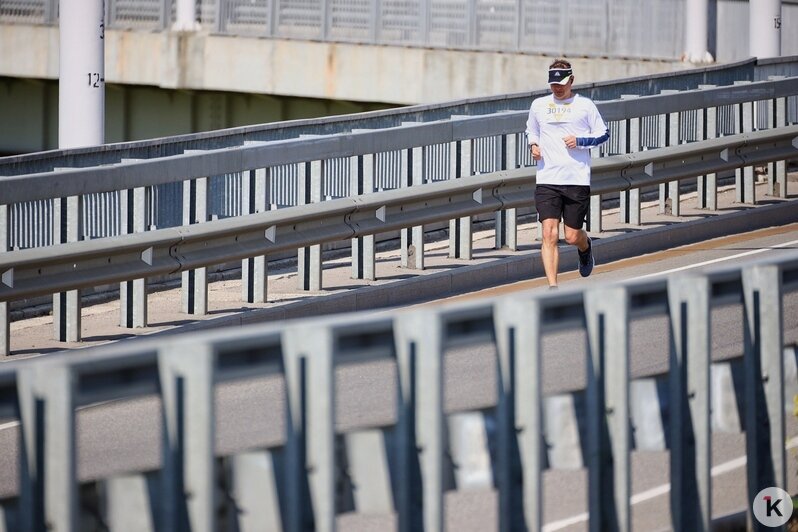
696, 32
81, 83
764, 28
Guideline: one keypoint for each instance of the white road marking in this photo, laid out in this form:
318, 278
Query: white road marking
12, 424
718, 470
714, 261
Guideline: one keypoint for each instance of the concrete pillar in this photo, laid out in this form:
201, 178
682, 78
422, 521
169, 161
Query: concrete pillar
81, 83
697, 32
764, 24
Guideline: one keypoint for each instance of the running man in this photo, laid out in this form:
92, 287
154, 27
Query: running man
561, 129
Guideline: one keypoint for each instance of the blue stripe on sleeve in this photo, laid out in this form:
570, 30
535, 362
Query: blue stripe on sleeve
590, 142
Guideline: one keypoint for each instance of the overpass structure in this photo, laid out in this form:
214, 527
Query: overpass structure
301, 185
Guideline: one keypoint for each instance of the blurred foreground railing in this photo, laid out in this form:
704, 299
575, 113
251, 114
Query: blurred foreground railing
400, 467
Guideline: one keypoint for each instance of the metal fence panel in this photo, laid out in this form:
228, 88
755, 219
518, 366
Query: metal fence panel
614, 28
336, 180
24, 11
351, 20
400, 22
388, 171
496, 24
540, 26
246, 17
302, 19
136, 14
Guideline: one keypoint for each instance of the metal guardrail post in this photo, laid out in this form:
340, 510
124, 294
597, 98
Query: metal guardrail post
507, 219
745, 179
297, 506
764, 378
519, 414
133, 294
781, 166
5, 324
665, 138
689, 403
674, 129
130, 502
67, 216
194, 292
461, 157
771, 123
188, 496
255, 491
46, 394
777, 171
254, 270
363, 252
309, 176
420, 341
308, 352
630, 199
407, 487
708, 184
607, 312
412, 239
594, 212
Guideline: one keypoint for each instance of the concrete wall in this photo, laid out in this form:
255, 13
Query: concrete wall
360, 73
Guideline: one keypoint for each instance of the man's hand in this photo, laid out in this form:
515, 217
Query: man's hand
570, 141
535, 149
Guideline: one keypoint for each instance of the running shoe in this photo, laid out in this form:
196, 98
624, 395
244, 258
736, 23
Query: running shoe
586, 260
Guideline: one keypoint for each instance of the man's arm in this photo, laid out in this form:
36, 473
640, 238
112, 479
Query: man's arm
599, 132
533, 134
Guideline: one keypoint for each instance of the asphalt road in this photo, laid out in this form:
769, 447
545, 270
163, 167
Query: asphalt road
124, 436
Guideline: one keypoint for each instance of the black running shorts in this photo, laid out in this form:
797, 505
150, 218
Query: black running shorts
569, 202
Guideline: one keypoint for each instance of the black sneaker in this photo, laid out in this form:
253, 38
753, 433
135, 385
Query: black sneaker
586, 260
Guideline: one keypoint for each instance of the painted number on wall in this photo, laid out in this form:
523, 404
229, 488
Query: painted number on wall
95, 80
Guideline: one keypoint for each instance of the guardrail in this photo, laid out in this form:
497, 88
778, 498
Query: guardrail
41, 271
637, 123
400, 467
258, 176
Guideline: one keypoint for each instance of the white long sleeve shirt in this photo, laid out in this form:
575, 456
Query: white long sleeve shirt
549, 121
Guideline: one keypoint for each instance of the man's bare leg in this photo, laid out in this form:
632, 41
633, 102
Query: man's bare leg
548, 249
576, 237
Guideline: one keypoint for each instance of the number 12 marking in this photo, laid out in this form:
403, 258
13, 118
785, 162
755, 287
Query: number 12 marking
95, 79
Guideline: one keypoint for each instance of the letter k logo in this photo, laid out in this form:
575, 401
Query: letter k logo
772, 506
